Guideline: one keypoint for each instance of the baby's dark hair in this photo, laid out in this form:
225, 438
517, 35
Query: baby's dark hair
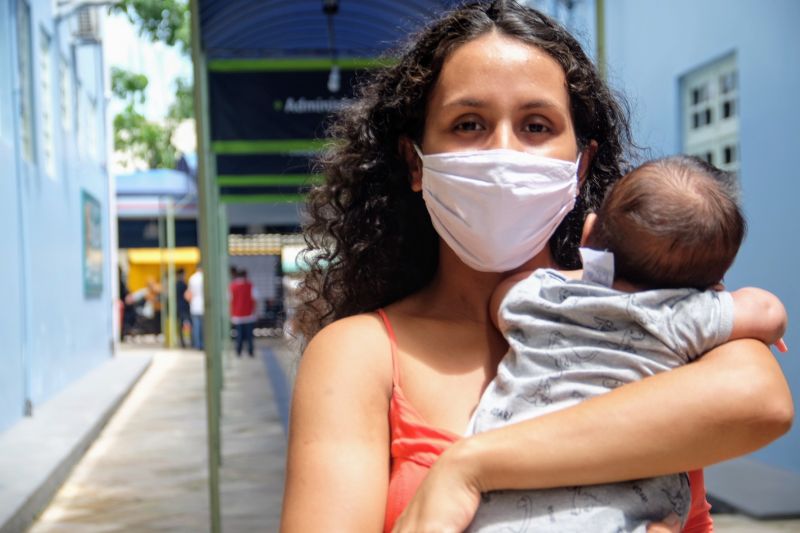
671, 222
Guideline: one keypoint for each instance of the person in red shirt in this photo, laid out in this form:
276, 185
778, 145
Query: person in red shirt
243, 310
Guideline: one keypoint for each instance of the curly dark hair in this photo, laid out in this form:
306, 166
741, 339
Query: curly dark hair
369, 237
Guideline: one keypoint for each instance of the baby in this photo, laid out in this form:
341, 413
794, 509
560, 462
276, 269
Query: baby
647, 301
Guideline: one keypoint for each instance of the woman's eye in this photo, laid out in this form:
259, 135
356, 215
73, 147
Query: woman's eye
468, 125
536, 127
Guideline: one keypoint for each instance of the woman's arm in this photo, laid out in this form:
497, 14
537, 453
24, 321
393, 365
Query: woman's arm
730, 402
338, 461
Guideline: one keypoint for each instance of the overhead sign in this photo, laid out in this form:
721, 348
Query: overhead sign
268, 120
274, 105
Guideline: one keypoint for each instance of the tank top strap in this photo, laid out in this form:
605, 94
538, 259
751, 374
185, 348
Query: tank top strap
393, 343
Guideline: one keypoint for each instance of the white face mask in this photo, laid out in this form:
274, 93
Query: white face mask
497, 209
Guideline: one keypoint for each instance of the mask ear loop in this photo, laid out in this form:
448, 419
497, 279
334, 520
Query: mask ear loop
578, 179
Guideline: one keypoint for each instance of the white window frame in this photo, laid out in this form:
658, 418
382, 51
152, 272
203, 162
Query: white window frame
708, 94
5, 70
65, 92
46, 103
26, 111
92, 129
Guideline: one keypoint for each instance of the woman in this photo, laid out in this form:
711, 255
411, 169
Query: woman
387, 387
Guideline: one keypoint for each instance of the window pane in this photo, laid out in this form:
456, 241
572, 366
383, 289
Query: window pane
700, 94
46, 104
64, 94
727, 82
730, 154
728, 108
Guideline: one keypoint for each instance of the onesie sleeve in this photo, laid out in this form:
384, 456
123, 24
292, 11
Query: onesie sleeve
523, 300
693, 322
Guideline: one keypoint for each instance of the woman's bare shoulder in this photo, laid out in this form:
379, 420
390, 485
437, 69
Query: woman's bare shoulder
361, 332
356, 347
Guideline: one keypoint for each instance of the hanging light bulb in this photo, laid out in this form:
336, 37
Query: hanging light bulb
334, 79
330, 8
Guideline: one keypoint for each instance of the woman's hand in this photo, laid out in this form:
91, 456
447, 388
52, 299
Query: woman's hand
446, 500
671, 524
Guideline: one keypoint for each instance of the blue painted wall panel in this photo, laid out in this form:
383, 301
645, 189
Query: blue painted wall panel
650, 45
50, 331
12, 394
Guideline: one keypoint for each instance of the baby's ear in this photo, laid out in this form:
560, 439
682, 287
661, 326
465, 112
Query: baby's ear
588, 227
406, 148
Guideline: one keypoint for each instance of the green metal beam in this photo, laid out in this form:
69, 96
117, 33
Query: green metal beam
209, 245
294, 65
283, 146
261, 198
173, 328
265, 180
600, 22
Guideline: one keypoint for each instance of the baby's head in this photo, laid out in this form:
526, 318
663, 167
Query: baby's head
672, 222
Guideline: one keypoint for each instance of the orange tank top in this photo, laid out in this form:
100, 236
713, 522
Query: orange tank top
415, 446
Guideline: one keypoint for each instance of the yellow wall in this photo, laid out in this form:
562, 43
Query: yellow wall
152, 263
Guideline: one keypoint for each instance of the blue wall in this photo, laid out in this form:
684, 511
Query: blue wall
51, 333
12, 384
650, 45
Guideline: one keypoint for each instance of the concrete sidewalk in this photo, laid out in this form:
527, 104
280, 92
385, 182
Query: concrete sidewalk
147, 471
38, 452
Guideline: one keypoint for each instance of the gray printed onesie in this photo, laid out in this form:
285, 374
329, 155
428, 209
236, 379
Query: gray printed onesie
570, 340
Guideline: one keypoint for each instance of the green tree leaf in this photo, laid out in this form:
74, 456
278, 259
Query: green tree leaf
160, 20
166, 21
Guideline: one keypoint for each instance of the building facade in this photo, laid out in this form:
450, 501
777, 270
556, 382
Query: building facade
718, 79
55, 275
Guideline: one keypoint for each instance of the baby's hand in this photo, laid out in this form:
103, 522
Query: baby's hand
759, 314
781, 345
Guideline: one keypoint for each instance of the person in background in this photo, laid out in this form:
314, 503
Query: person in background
184, 315
128, 313
243, 310
194, 295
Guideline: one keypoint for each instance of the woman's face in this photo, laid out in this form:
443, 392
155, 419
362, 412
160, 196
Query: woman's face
498, 92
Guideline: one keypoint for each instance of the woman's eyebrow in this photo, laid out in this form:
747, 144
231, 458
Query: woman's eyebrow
478, 103
539, 104
466, 102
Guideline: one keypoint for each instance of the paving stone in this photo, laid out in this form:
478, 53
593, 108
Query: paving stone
147, 471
